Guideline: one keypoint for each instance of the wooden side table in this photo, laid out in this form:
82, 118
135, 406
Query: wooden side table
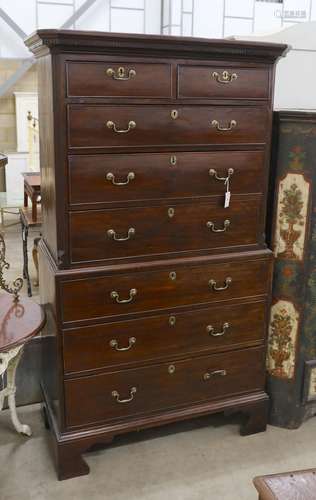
32, 190
298, 485
27, 222
20, 320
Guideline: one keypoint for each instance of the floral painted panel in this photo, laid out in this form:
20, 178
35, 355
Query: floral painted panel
312, 384
291, 219
283, 332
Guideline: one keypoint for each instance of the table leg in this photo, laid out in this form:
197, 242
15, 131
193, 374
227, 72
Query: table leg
34, 208
25, 232
35, 259
10, 361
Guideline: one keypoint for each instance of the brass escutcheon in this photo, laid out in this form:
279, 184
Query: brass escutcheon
171, 212
173, 275
172, 320
171, 369
174, 114
173, 160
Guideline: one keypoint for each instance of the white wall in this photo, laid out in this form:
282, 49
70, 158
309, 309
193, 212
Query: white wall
204, 18
295, 73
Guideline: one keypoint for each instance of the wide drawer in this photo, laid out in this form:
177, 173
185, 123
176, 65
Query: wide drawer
175, 334
99, 235
182, 285
119, 78
102, 126
100, 179
137, 391
220, 82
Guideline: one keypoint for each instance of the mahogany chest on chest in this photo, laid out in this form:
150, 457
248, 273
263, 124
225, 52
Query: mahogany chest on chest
154, 269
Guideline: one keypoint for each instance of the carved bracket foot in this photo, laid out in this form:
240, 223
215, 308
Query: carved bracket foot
256, 418
70, 462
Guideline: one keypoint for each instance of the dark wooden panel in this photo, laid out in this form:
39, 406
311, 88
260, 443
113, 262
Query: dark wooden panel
174, 334
211, 81
157, 388
163, 229
90, 298
156, 175
149, 80
154, 125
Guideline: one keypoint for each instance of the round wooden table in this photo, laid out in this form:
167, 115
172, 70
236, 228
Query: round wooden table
19, 321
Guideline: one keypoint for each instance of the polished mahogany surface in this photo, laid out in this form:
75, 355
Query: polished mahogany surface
217, 328
88, 125
122, 233
155, 176
92, 298
163, 386
19, 320
155, 161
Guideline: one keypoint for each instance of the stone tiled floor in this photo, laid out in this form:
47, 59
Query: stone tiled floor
199, 460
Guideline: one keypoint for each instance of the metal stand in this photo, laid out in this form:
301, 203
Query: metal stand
8, 363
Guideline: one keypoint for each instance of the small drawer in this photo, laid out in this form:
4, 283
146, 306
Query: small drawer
94, 298
152, 338
121, 394
223, 82
104, 179
118, 79
101, 126
102, 235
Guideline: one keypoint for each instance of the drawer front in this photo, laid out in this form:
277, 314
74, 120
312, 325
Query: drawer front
132, 392
220, 82
146, 339
93, 298
97, 179
102, 126
118, 79
98, 235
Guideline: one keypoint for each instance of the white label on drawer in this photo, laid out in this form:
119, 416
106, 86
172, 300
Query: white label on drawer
227, 199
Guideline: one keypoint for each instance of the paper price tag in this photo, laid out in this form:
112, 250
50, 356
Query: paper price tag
227, 199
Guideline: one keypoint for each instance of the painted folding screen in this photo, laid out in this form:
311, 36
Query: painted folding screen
291, 355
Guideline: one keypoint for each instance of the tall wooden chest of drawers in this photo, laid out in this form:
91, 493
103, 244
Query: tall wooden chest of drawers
154, 269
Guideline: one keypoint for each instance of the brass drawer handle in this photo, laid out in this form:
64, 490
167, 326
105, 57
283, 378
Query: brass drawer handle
232, 124
110, 177
211, 226
213, 285
130, 233
213, 173
226, 77
121, 73
211, 330
114, 343
116, 395
111, 125
115, 295
215, 373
